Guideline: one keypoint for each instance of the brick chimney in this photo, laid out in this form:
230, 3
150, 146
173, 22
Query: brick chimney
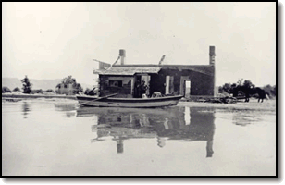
212, 55
122, 54
212, 63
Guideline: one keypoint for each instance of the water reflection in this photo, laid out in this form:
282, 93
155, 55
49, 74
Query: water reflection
174, 123
69, 109
244, 118
26, 108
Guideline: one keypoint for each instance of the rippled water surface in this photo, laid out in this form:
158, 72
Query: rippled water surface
41, 137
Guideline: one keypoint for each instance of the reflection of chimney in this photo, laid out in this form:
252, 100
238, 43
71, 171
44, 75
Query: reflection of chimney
209, 149
120, 147
212, 55
161, 142
122, 54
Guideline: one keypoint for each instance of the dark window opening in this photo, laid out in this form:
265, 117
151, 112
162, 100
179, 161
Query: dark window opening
115, 83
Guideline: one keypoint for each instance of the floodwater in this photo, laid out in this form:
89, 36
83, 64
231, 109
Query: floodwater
59, 138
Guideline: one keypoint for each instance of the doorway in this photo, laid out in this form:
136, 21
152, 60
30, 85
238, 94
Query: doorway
169, 89
187, 90
141, 85
185, 86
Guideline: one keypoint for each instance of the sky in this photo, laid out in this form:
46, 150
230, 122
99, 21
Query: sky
53, 40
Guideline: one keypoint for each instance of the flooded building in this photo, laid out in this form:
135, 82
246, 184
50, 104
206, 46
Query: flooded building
186, 80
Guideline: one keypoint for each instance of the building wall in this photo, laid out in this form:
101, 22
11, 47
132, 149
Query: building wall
201, 84
65, 89
157, 83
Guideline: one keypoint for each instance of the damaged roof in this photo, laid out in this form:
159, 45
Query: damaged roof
130, 70
127, 71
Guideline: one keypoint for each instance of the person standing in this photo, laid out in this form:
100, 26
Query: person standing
138, 90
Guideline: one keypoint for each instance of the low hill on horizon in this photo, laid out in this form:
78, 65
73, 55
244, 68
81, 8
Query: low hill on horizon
12, 83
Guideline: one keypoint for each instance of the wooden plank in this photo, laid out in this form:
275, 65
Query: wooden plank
104, 97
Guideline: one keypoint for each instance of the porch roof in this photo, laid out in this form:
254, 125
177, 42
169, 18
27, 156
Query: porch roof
127, 71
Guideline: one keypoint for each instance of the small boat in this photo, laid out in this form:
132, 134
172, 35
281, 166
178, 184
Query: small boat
107, 101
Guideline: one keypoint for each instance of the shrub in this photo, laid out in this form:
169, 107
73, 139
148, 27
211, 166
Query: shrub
5, 89
49, 90
16, 90
37, 91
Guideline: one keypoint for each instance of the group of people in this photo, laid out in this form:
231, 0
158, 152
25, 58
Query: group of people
141, 89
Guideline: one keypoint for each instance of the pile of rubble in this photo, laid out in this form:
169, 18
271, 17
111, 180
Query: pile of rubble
220, 98
224, 100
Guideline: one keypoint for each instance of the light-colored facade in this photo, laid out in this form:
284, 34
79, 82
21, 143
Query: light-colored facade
67, 89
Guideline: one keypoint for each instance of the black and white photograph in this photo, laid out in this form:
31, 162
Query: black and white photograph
139, 89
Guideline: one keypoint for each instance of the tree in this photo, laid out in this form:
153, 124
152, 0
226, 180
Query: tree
271, 90
239, 82
77, 88
227, 87
68, 80
26, 85
233, 86
16, 90
248, 84
220, 89
268, 88
5, 89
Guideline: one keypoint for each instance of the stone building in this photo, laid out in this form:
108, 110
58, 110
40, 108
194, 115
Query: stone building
187, 80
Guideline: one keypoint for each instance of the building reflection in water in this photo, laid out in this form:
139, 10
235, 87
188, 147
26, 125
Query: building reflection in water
172, 123
26, 108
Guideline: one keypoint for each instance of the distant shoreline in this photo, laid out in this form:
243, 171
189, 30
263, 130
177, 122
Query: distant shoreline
267, 105
8, 95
